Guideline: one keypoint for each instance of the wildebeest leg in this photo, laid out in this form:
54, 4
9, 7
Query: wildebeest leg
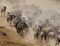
21, 33
25, 31
17, 30
4, 13
45, 37
42, 37
37, 35
48, 38
57, 42
10, 23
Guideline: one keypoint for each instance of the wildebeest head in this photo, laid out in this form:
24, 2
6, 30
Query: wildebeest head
4, 7
10, 16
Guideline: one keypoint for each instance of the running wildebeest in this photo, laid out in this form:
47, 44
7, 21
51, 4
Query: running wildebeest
44, 35
41, 35
10, 17
38, 30
36, 34
3, 10
51, 32
58, 38
45, 30
51, 35
20, 25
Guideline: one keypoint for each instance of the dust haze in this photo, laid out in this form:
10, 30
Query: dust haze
45, 13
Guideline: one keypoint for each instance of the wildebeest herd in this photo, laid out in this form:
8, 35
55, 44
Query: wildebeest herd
19, 23
44, 31
47, 32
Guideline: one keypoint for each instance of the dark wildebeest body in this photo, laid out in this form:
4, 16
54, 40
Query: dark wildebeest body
3, 10
58, 38
36, 35
16, 22
44, 35
38, 30
20, 26
10, 18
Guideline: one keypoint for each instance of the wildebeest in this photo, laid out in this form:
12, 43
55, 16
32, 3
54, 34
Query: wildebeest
41, 35
58, 39
45, 35
10, 17
38, 30
3, 10
36, 34
51, 35
20, 25
45, 30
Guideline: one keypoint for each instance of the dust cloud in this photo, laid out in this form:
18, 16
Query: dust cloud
35, 12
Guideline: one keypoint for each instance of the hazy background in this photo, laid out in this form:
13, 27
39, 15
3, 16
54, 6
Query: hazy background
42, 4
